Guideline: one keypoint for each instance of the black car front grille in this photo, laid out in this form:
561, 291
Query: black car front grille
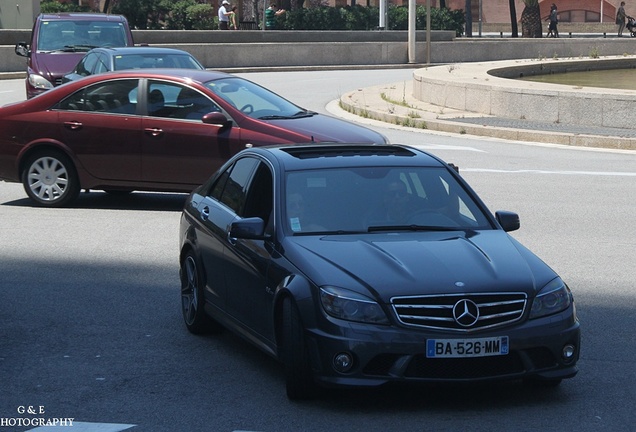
472, 368
442, 311
421, 367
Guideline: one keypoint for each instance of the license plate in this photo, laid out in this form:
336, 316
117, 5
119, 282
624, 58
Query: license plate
462, 348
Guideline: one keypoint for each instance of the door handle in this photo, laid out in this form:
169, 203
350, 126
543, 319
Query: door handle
154, 132
205, 213
73, 125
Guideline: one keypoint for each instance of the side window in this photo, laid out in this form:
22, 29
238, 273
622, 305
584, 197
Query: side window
234, 194
260, 195
117, 97
179, 102
101, 64
86, 66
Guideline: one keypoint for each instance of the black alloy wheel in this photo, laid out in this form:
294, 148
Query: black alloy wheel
192, 300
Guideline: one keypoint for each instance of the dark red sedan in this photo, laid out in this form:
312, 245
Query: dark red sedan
153, 130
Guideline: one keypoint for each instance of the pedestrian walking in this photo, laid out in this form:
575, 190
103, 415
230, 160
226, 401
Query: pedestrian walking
620, 19
270, 16
554, 20
224, 15
233, 22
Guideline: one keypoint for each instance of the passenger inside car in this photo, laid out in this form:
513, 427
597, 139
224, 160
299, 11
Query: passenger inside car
395, 206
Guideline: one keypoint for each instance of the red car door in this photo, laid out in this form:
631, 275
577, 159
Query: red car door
100, 126
178, 148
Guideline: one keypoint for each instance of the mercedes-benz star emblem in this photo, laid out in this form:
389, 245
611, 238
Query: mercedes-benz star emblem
466, 313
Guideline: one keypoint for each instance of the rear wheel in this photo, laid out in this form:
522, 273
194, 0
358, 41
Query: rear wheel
50, 180
298, 375
192, 299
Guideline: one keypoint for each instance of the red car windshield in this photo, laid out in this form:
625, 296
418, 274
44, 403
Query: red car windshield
254, 100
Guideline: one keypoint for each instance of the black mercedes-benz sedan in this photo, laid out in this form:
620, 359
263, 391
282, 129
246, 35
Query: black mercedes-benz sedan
361, 265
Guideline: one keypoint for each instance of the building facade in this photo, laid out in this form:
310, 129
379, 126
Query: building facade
498, 11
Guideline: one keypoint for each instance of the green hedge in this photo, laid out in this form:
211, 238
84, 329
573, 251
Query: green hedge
367, 18
54, 6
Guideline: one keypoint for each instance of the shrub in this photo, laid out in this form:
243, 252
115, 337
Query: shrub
53, 6
367, 18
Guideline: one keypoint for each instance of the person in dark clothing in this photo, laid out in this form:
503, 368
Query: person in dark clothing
554, 20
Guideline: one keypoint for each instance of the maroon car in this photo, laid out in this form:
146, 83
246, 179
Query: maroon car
155, 130
60, 40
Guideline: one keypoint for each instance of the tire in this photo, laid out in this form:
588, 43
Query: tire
49, 179
299, 380
192, 298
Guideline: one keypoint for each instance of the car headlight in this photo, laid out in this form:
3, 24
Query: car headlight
351, 306
39, 82
553, 298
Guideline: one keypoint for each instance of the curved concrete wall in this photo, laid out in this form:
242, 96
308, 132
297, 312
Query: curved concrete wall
483, 88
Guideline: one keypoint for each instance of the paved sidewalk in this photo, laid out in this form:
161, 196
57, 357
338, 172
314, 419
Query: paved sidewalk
394, 103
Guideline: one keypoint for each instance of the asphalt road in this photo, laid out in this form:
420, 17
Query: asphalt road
90, 326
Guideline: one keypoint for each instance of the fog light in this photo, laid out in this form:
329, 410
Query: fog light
343, 362
568, 352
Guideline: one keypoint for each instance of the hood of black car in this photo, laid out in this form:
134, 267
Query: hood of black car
420, 263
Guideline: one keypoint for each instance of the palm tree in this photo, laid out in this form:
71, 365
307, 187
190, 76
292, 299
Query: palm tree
531, 19
513, 18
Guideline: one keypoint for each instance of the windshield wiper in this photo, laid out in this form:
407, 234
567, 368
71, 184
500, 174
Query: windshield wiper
305, 113
274, 117
299, 114
76, 48
330, 232
411, 228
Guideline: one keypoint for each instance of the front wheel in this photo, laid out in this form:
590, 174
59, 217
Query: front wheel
192, 299
298, 375
50, 180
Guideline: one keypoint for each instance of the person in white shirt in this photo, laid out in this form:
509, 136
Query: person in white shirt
224, 15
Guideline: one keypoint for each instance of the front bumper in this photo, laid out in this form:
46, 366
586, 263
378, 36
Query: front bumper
383, 354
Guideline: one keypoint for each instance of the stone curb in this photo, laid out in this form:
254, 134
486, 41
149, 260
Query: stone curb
394, 103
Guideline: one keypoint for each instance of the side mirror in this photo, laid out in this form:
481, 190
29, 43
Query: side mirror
248, 228
509, 221
216, 119
22, 49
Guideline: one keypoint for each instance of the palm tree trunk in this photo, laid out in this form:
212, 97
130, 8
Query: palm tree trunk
531, 20
513, 18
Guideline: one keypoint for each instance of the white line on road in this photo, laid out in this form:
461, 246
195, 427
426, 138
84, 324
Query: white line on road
530, 171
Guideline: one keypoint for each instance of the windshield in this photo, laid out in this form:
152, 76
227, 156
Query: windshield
376, 199
159, 60
254, 100
61, 35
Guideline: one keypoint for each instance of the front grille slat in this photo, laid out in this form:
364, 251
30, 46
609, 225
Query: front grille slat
436, 311
414, 317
